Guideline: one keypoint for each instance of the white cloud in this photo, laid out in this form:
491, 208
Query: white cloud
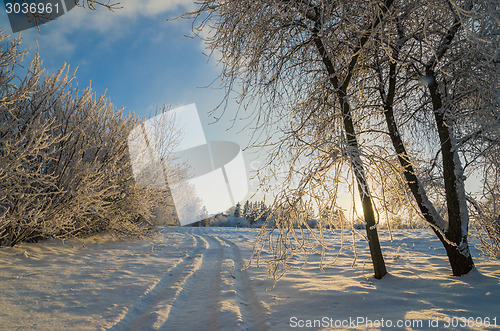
103, 20
133, 8
56, 35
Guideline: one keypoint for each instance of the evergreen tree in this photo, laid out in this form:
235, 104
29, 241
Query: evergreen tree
237, 210
246, 210
262, 211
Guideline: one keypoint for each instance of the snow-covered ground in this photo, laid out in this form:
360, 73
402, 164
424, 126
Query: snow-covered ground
190, 279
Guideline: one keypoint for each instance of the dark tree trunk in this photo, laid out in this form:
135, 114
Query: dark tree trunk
351, 137
455, 242
459, 253
460, 263
357, 164
364, 193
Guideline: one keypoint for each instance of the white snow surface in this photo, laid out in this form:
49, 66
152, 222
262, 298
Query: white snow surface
191, 279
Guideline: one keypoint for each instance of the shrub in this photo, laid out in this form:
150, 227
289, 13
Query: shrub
64, 164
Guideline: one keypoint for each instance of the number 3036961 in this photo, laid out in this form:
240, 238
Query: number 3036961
469, 322
31, 8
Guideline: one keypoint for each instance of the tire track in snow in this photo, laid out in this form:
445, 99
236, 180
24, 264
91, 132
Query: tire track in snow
252, 311
154, 304
197, 306
193, 295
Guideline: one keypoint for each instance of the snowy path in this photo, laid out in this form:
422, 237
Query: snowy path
191, 279
208, 276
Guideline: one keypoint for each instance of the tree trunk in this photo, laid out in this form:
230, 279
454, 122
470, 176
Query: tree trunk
455, 242
458, 216
460, 263
357, 165
366, 201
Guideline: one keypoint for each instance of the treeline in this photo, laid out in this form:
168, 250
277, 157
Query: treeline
326, 218
64, 164
251, 211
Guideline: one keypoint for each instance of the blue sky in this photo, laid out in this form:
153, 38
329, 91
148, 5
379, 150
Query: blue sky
134, 53
141, 59
138, 57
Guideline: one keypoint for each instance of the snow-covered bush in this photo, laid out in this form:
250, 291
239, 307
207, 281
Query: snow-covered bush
64, 163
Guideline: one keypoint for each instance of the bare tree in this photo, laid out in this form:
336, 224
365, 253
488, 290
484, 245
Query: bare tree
388, 90
430, 67
275, 50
